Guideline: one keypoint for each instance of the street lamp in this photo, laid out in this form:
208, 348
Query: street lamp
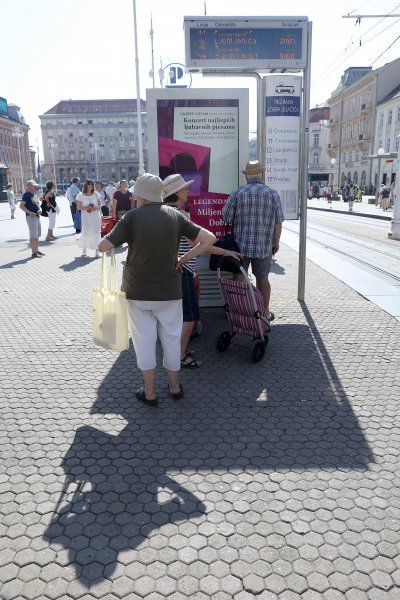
18, 133
333, 163
52, 149
95, 148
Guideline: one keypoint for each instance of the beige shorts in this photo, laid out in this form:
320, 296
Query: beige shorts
34, 227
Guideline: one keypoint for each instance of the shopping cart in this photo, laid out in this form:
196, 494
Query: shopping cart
245, 311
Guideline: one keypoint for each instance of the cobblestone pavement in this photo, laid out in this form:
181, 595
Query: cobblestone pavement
276, 480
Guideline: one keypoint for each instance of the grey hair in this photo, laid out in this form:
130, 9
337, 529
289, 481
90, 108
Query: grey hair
256, 177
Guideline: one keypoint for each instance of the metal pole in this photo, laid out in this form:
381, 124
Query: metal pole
20, 165
138, 102
304, 171
395, 223
97, 166
152, 49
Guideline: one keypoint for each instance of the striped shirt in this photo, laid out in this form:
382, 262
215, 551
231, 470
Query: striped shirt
254, 209
184, 247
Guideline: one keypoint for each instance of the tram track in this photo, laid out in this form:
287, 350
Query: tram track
347, 254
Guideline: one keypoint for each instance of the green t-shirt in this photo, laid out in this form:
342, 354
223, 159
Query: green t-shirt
152, 232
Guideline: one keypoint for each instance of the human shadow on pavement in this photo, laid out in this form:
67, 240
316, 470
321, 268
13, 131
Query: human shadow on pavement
77, 262
16, 263
277, 269
288, 413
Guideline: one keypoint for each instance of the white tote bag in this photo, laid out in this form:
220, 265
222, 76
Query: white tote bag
110, 319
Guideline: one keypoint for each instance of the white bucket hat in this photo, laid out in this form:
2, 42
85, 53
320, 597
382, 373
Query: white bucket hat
149, 187
173, 184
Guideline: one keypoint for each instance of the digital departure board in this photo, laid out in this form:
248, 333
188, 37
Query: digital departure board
243, 42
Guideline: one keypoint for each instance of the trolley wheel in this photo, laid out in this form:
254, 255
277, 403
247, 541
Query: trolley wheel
223, 341
258, 350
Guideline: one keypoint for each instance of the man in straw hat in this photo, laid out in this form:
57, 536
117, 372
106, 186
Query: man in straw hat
152, 281
176, 195
256, 213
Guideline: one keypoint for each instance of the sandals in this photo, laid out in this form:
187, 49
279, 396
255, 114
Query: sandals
141, 395
178, 395
190, 363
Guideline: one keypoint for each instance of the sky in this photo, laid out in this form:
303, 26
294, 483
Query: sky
54, 50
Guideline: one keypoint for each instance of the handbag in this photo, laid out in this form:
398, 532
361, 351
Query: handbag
107, 225
110, 316
225, 263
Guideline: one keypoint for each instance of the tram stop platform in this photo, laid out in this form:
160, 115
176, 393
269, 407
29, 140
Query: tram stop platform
275, 480
361, 209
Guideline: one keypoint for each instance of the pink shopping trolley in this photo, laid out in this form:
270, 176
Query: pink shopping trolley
245, 311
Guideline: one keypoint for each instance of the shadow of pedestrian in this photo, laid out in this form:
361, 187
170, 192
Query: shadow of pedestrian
289, 413
15, 263
277, 269
77, 262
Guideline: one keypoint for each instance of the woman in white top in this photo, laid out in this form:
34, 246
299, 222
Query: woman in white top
11, 199
88, 202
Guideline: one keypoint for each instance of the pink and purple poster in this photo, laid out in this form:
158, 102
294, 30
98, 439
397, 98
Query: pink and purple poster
199, 137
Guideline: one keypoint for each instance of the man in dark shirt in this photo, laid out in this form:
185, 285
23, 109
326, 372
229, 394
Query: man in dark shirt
151, 279
30, 205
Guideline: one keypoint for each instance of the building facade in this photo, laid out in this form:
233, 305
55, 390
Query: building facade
92, 139
387, 136
319, 167
352, 121
15, 156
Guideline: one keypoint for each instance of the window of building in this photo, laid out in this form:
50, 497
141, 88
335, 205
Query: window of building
390, 114
316, 139
90, 134
397, 144
315, 158
398, 113
381, 120
102, 158
388, 145
369, 96
90, 121
71, 155
92, 157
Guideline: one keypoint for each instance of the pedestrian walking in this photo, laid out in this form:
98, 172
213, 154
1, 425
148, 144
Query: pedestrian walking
152, 281
49, 209
30, 206
89, 204
99, 187
110, 190
11, 199
256, 213
72, 193
122, 200
350, 195
384, 194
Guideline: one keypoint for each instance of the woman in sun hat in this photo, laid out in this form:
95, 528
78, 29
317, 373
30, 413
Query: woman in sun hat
176, 194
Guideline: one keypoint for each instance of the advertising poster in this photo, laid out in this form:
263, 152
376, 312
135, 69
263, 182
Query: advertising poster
283, 101
203, 135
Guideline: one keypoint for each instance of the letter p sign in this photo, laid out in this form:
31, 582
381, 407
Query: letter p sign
175, 76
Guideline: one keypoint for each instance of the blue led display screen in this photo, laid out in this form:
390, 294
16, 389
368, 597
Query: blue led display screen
246, 44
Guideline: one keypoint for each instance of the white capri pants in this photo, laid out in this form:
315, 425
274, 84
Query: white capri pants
52, 219
146, 318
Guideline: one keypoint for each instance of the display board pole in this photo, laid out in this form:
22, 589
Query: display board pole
261, 126
304, 170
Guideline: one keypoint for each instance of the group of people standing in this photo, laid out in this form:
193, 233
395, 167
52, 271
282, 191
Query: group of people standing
94, 201
158, 274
